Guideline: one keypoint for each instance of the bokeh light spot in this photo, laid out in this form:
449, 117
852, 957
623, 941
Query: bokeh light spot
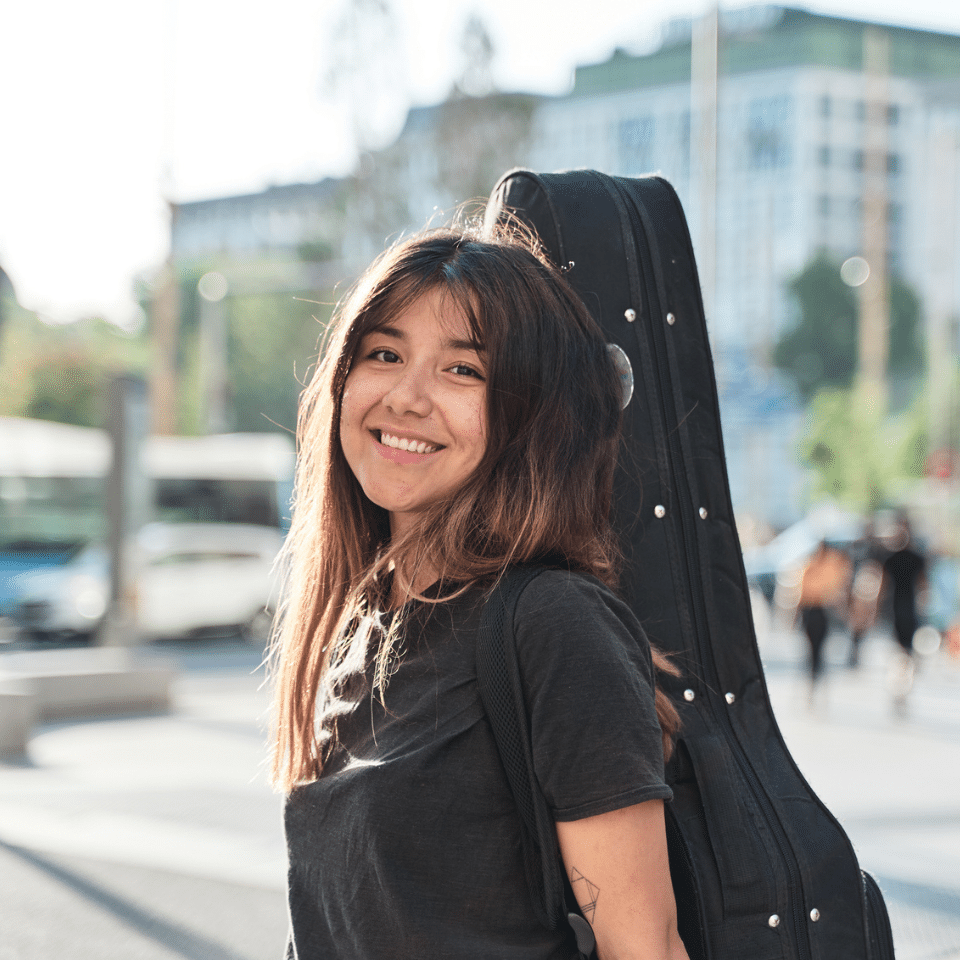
212, 286
855, 271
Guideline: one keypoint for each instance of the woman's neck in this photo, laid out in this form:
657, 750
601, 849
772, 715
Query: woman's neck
403, 585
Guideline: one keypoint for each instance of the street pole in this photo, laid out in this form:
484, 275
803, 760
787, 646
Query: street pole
164, 330
874, 300
941, 259
703, 75
213, 351
127, 506
941, 221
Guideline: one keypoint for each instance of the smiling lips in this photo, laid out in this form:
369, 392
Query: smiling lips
402, 443
403, 450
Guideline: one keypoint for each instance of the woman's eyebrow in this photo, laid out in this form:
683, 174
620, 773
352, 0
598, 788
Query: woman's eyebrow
388, 331
473, 345
451, 343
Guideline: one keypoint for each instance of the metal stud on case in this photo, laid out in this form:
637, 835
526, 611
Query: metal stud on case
703, 513
774, 921
814, 914
671, 319
689, 696
659, 511
729, 697
630, 314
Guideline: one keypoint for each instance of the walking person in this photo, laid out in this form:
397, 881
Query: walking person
867, 556
464, 419
905, 576
823, 588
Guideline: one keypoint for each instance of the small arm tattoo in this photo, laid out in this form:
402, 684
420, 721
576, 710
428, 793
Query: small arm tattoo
587, 894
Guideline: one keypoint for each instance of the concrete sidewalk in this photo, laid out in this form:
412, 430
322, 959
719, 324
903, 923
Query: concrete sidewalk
893, 781
157, 837
151, 837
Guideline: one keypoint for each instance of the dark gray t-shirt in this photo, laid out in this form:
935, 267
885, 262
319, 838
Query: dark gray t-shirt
408, 846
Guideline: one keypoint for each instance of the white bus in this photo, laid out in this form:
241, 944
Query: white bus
53, 493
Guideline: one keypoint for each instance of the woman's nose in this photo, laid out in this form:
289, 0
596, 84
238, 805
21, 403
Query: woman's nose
410, 393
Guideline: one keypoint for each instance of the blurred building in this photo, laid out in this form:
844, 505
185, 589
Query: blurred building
797, 115
294, 228
447, 155
793, 123
791, 135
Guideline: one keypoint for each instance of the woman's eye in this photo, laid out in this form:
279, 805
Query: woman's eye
384, 356
462, 370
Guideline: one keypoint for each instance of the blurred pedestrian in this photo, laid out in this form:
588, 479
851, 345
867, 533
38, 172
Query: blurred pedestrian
867, 555
905, 577
824, 588
464, 418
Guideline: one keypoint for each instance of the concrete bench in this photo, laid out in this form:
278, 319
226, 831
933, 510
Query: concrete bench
18, 712
90, 682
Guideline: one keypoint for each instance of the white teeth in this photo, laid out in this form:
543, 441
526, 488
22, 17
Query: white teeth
413, 446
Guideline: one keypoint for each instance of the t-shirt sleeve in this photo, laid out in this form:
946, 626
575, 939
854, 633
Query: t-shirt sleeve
588, 681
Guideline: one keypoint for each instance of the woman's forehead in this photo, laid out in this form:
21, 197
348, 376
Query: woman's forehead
436, 305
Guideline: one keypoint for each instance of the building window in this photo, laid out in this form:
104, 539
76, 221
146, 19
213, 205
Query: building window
824, 155
635, 144
823, 205
768, 133
857, 159
860, 110
893, 114
894, 164
825, 105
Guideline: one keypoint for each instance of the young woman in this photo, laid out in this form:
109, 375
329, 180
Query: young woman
464, 418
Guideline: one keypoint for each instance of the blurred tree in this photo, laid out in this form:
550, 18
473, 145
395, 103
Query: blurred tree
273, 348
8, 298
367, 71
856, 460
477, 54
60, 372
821, 350
479, 138
272, 343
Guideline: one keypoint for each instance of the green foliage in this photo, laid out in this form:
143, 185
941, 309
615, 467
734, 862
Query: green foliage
856, 460
68, 388
61, 372
821, 351
273, 346
316, 251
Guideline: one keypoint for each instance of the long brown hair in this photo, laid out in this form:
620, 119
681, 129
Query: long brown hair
541, 492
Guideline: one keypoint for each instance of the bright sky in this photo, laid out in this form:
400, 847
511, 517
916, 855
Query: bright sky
109, 106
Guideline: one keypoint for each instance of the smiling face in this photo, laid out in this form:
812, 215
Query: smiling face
413, 414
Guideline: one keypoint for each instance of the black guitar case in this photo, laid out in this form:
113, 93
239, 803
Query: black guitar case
761, 869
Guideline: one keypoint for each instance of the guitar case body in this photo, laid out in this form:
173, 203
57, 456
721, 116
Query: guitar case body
761, 869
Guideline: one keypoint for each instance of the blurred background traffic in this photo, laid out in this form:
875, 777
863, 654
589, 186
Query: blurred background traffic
186, 190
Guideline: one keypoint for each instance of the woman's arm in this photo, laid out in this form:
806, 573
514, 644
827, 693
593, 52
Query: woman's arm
618, 868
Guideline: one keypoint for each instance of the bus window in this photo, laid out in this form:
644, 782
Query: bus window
181, 500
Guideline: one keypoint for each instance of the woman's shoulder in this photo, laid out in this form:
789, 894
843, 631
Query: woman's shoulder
561, 602
566, 589
570, 628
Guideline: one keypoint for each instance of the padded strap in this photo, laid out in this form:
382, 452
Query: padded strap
501, 690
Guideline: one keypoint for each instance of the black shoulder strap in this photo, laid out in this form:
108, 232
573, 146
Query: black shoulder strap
498, 675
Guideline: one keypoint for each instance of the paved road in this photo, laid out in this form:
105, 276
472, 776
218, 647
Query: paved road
152, 837
893, 781
157, 837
